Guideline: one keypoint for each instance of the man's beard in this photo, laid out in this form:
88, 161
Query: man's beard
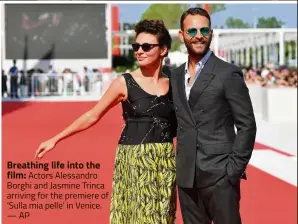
193, 52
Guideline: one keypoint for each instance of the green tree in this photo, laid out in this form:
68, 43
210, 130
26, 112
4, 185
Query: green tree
218, 27
270, 22
235, 23
214, 8
169, 13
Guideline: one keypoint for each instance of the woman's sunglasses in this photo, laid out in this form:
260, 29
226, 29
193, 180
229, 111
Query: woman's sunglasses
205, 31
145, 47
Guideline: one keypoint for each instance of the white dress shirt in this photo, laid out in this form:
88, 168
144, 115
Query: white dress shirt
199, 67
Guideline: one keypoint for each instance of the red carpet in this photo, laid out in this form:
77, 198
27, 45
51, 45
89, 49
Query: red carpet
265, 199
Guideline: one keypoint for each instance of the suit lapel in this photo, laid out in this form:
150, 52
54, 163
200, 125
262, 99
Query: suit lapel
181, 91
202, 81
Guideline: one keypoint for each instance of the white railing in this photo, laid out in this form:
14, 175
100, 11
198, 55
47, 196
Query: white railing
66, 85
274, 105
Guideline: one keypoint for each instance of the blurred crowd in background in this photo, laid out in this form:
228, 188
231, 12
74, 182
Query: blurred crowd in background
270, 76
37, 82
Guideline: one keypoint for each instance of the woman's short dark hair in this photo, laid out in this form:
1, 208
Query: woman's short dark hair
193, 12
157, 28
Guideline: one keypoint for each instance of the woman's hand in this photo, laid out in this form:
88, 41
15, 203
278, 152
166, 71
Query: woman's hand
44, 147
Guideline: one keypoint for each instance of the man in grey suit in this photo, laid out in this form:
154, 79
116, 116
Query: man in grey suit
210, 98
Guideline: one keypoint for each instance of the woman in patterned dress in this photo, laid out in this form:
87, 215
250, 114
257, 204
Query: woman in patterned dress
144, 176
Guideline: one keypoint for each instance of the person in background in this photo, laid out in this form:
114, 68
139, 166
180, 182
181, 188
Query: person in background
53, 82
166, 68
13, 72
23, 85
4, 84
85, 81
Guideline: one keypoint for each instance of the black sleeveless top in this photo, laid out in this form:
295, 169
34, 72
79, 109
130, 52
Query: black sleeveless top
148, 118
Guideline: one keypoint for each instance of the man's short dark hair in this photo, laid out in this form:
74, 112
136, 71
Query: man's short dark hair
167, 61
193, 12
155, 27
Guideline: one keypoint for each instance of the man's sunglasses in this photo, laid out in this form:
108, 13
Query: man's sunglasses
205, 31
145, 47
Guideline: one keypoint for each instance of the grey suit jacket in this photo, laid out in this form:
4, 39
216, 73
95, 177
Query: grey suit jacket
207, 146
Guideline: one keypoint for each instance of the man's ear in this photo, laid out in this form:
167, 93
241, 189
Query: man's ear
181, 36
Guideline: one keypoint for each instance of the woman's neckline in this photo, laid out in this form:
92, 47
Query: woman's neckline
155, 95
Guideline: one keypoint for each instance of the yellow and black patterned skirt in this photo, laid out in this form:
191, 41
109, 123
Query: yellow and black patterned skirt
144, 184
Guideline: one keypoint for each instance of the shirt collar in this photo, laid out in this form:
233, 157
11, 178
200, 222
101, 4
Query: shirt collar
201, 62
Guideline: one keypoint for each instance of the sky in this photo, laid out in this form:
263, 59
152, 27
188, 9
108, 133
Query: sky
131, 13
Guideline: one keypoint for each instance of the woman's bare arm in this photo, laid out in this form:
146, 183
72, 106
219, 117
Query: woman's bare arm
116, 93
